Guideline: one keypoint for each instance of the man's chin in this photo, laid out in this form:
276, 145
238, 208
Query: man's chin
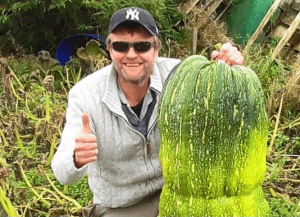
134, 81
134, 77
137, 81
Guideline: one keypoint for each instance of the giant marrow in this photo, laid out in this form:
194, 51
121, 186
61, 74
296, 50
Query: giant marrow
214, 130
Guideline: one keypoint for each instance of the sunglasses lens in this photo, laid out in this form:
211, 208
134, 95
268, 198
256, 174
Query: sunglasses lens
120, 46
142, 46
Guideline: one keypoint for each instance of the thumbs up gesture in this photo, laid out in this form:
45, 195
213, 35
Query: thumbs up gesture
86, 149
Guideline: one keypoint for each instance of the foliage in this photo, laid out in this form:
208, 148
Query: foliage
279, 207
33, 100
32, 119
269, 71
280, 81
37, 24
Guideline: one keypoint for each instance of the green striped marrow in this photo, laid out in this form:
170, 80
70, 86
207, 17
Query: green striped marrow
214, 130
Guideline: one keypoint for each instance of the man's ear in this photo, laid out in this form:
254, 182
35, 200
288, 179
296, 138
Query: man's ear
157, 48
156, 53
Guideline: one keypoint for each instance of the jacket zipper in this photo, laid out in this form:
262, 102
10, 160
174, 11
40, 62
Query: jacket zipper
146, 156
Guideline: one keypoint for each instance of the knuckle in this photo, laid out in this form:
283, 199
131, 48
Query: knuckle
77, 147
232, 59
80, 161
91, 138
225, 58
79, 137
227, 46
223, 51
234, 49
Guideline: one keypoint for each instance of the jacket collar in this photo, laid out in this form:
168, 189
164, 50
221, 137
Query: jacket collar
111, 95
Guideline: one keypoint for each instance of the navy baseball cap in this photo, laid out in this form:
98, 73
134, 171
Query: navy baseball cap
134, 14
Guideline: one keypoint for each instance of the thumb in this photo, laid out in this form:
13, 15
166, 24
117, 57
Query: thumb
87, 129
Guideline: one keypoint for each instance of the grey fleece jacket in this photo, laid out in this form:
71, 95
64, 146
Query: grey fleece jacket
124, 173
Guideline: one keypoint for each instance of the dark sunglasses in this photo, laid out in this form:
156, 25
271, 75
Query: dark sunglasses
139, 47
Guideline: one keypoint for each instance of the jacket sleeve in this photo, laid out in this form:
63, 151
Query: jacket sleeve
63, 164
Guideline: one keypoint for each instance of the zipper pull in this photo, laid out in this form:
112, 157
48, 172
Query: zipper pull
148, 147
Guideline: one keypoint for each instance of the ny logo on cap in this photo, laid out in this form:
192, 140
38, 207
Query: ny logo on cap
134, 14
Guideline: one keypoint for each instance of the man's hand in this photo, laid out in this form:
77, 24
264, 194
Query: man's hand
229, 54
86, 149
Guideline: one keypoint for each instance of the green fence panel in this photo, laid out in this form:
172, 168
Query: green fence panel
244, 16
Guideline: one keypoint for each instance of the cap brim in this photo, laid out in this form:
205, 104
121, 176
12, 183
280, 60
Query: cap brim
131, 21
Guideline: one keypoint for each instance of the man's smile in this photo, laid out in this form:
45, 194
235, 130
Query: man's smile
132, 64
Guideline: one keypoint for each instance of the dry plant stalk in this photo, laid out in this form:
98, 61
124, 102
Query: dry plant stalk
292, 90
291, 100
210, 33
45, 203
270, 149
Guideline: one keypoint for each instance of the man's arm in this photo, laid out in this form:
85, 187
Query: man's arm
63, 164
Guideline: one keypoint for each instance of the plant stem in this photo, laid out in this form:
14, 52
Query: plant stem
66, 189
289, 180
52, 148
78, 206
14, 92
26, 136
291, 170
7, 205
46, 203
292, 124
47, 108
275, 130
17, 106
51, 192
65, 90
3, 162
20, 144
32, 116
3, 137
79, 75
68, 83
29, 109
12, 72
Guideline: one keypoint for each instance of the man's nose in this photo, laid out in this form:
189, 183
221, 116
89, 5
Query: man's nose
131, 53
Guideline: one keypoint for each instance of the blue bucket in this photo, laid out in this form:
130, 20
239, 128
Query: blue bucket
64, 51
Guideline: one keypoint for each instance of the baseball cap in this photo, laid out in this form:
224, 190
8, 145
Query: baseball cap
134, 14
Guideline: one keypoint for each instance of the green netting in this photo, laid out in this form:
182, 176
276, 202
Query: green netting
244, 16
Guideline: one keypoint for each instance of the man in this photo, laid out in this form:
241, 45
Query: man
111, 131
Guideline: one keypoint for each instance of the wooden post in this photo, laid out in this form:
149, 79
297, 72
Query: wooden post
266, 19
187, 7
195, 39
214, 7
287, 36
224, 10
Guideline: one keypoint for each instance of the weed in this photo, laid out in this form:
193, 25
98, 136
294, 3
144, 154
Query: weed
281, 142
279, 207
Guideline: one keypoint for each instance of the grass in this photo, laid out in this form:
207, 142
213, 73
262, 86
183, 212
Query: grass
31, 122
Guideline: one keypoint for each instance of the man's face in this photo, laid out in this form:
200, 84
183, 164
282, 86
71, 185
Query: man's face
133, 67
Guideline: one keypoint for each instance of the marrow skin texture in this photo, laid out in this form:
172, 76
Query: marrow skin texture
214, 130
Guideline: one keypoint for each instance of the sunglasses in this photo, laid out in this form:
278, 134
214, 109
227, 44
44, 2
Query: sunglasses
139, 47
